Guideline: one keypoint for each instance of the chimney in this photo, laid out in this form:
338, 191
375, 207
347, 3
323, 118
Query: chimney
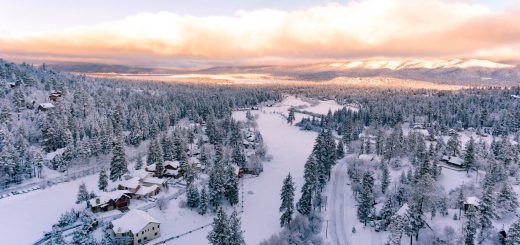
97, 200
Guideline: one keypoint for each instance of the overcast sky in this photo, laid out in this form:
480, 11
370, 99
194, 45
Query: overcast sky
201, 32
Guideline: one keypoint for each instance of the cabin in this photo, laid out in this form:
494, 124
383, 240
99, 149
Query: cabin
55, 95
147, 191
107, 201
172, 165
45, 106
131, 185
12, 85
150, 181
135, 227
471, 201
454, 163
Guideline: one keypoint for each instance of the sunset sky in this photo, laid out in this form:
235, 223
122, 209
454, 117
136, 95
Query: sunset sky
165, 33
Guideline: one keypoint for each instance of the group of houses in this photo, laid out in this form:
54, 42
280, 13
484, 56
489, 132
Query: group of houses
141, 185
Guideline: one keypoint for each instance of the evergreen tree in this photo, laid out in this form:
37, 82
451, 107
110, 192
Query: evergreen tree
216, 186
220, 233
453, 145
513, 234
203, 206
237, 156
340, 152
304, 205
192, 196
385, 181
460, 200
83, 194
469, 155
290, 118
236, 235
231, 190
139, 162
287, 197
365, 209
487, 211
103, 180
118, 165
57, 236
506, 200
386, 213
470, 226
415, 220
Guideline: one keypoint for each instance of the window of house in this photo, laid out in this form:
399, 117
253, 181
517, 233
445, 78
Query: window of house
139, 241
156, 233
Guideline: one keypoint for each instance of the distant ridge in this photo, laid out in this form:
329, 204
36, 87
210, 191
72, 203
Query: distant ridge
472, 72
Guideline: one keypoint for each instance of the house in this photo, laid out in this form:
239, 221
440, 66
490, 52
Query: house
131, 185
455, 163
107, 201
173, 165
147, 191
149, 181
45, 106
471, 201
135, 227
55, 95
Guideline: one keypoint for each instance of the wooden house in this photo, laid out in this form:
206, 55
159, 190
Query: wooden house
147, 191
119, 199
454, 163
55, 95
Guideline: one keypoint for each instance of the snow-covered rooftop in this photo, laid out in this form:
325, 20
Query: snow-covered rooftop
472, 201
402, 211
145, 190
134, 221
46, 105
130, 183
105, 197
173, 164
52, 155
154, 180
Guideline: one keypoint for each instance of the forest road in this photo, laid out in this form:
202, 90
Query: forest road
336, 204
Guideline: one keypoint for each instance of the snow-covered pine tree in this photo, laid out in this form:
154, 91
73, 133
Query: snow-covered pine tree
365, 210
118, 165
287, 197
453, 145
304, 205
57, 236
486, 212
237, 156
470, 226
103, 180
220, 233
290, 118
507, 202
513, 234
386, 213
203, 205
139, 162
231, 190
340, 151
460, 199
192, 196
469, 155
385, 179
236, 235
83, 194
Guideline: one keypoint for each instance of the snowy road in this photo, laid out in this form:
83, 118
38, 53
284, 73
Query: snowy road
336, 204
341, 212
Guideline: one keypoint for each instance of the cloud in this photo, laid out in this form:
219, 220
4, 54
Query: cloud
365, 28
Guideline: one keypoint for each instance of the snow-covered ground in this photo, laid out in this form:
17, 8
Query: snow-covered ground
289, 148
